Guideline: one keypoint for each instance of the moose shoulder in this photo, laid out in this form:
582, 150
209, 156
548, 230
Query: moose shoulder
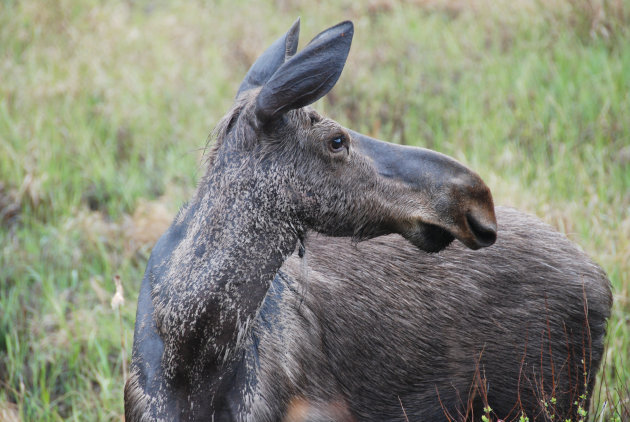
232, 325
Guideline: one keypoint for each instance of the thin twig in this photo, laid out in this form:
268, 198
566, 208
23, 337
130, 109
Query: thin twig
403, 409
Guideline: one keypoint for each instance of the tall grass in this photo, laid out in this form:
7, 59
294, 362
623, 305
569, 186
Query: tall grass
105, 108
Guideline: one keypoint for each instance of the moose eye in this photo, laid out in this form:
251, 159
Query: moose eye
336, 144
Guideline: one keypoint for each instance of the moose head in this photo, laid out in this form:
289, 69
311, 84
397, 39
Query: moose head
324, 177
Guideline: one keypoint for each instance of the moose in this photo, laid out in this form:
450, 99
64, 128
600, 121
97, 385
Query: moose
314, 275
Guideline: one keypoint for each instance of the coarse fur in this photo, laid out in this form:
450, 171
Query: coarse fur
233, 325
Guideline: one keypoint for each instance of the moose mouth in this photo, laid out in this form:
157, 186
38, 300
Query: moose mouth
428, 237
475, 234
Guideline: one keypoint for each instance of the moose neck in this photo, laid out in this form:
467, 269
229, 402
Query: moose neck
245, 244
249, 235
236, 236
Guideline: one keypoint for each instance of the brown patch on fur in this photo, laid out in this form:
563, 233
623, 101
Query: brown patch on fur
302, 410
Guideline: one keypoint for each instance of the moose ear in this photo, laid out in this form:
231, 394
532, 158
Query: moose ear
308, 75
269, 61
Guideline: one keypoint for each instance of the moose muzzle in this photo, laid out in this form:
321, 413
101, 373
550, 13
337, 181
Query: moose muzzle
440, 194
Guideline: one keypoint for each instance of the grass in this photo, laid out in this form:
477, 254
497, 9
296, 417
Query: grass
105, 108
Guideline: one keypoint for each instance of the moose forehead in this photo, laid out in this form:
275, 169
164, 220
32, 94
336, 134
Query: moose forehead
300, 124
315, 123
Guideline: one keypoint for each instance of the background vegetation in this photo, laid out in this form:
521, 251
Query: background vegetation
105, 107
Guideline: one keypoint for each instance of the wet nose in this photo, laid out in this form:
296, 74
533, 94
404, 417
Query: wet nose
482, 229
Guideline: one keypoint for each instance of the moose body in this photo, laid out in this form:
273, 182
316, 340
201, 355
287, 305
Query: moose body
247, 314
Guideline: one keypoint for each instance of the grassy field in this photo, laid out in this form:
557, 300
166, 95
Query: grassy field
105, 108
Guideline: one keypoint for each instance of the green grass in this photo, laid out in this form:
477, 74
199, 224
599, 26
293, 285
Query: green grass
105, 108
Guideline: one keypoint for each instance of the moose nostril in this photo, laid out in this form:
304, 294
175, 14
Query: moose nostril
485, 234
